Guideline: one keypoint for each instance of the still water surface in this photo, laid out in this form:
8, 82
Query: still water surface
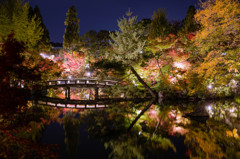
206, 129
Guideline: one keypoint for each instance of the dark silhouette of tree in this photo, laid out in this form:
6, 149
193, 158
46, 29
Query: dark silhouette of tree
160, 27
89, 39
144, 25
11, 69
71, 37
71, 128
95, 41
189, 24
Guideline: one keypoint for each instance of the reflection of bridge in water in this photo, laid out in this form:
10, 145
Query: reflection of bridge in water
79, 83
80, 104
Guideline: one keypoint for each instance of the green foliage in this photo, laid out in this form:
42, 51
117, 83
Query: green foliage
160, 27
44, 42
144, 25
105, 68
128, 43
125, 147
189, 24
129, 91
95, 42
14, 17
71, 37
158, 142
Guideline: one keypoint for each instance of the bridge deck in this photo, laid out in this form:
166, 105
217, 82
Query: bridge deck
79, 83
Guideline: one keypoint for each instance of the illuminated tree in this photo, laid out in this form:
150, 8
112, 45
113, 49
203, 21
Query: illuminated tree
218, 41
71, 37
44, 42
168, 66
128, 46
220, 23
14, 16
74, 64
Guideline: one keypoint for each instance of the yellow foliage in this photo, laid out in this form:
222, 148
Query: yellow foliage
218, 40
232, 133
220, 23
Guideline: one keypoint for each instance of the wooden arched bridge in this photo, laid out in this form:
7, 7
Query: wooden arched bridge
80, 83
39, 98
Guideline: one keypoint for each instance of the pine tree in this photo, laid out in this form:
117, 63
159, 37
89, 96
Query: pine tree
189, 24
160, 27
127, 46
71, 37
6, 7
14, 17
44, 43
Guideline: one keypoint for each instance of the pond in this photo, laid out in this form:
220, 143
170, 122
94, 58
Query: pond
204, 129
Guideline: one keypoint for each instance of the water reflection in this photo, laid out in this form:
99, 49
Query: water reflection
71, 127
207, 129
21, 130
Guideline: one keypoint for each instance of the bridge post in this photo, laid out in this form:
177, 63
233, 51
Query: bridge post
67, 93
96, 93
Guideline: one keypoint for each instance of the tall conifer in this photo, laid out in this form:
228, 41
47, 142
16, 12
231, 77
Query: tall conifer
71, 37
14, 17
160, 26
128, 45
189, 23
44, 43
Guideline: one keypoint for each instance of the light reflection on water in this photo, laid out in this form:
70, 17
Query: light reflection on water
168, 130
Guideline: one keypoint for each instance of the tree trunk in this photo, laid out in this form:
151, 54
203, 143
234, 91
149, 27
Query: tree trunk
143, 83
141, 113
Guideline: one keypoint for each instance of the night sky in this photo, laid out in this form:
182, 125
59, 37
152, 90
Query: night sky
103, 14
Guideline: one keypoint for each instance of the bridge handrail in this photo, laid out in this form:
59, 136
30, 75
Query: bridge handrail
78, 81
85, 79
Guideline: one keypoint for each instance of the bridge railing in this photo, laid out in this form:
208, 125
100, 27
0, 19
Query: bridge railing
79, 82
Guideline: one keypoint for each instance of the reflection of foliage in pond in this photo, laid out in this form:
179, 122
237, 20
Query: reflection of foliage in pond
218, 137
211, 141
110, 125
104, 123
137, 145
125, 147
71, 126
20, 131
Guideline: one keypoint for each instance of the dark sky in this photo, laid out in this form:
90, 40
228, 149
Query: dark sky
103, 14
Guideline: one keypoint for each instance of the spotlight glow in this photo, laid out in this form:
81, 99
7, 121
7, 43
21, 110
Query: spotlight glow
210, 86
88, 74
